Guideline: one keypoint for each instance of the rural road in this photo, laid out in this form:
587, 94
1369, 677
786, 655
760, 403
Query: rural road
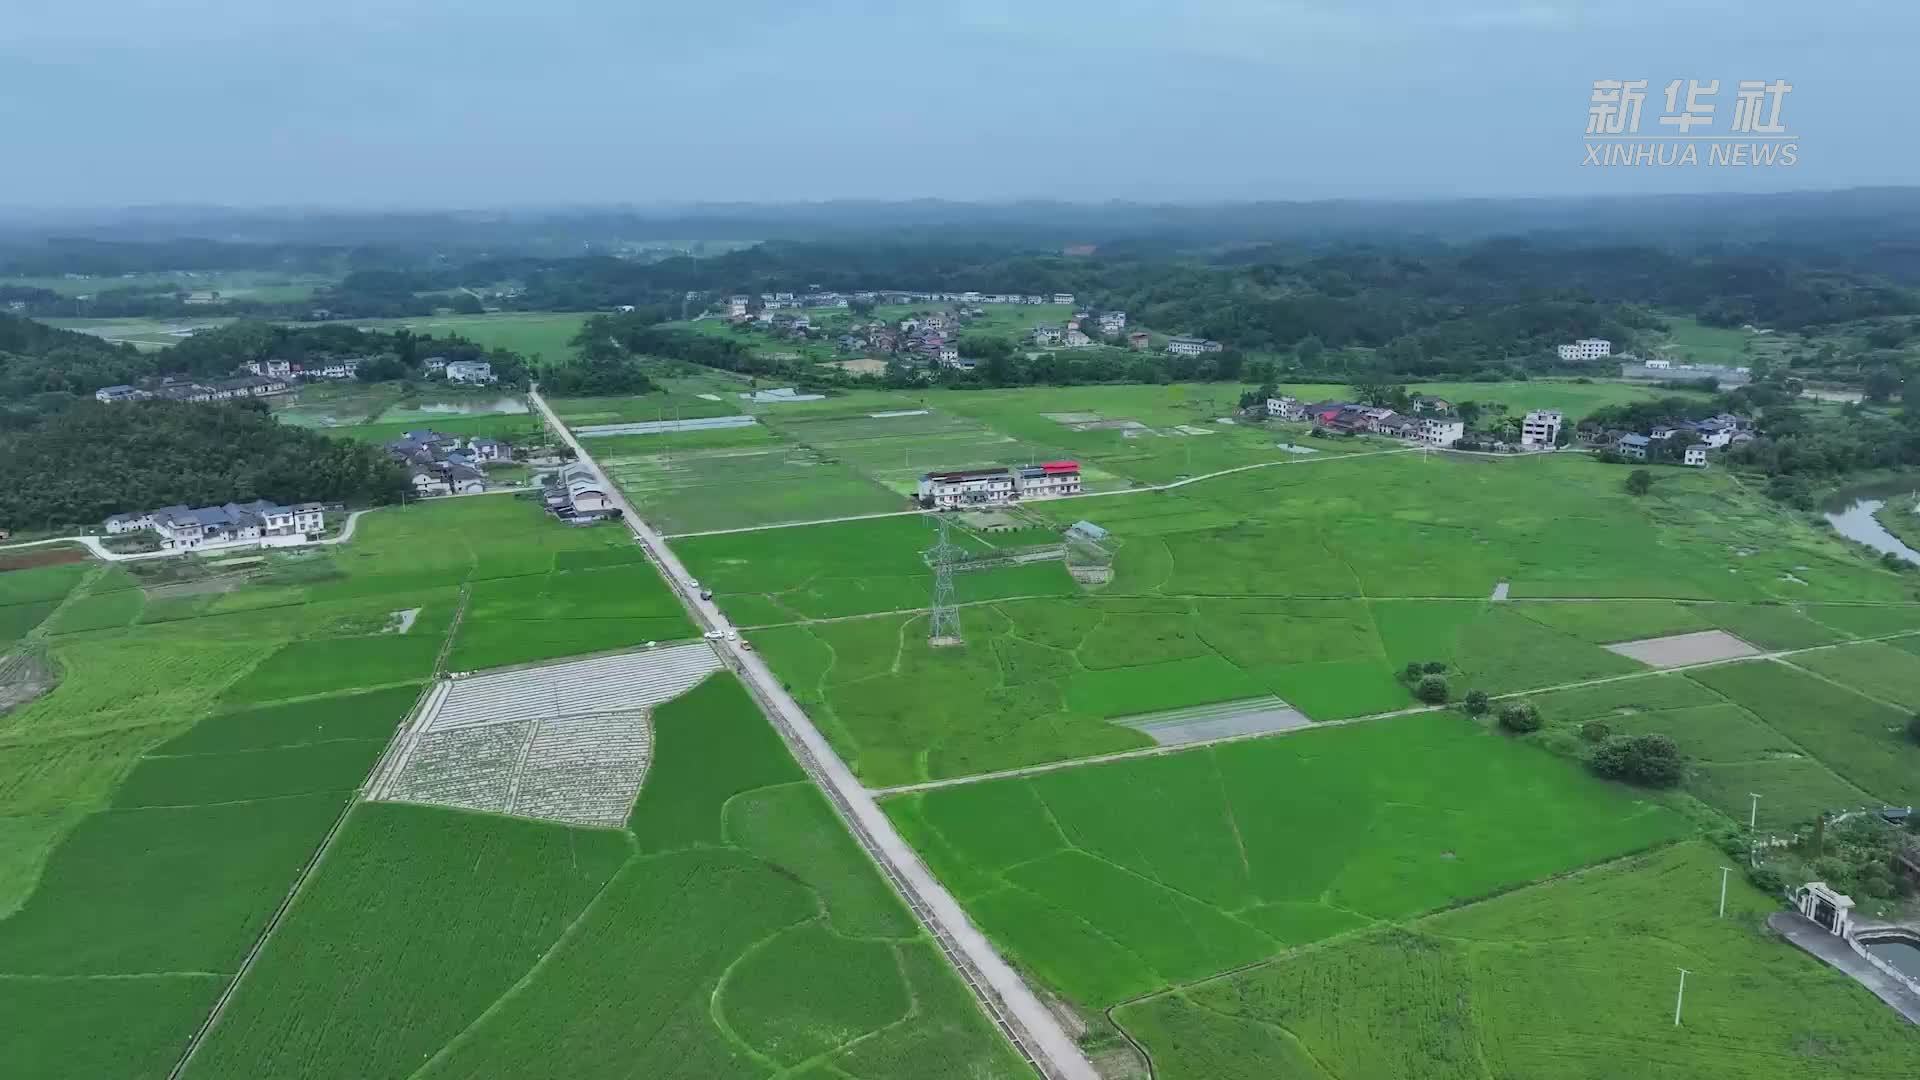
1030, 1024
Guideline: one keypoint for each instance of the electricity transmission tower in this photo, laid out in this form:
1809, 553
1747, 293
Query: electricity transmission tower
943, 626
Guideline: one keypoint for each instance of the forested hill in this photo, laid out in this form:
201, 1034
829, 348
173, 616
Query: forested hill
77, 466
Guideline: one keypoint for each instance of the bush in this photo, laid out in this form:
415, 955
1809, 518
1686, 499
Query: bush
1639, 482
1476, 702
1650, 760
1766, 879
1413, 671
1895, 563
1520, 718
1431, 689
1596, 731
1436, 667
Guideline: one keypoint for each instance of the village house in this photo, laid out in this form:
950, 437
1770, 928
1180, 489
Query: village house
1049, 479
577, 495
181, 527
1696, 456
966, 487
1192, 346
1586, 349
1540, 429
1138, 341
1286, 408
1113, 322
469, 371
1046, 335
1441, 430
111, 394
1063, 298
1633, 447
1075, 339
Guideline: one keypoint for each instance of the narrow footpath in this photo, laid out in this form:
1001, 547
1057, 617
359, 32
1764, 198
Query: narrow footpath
1029, 1024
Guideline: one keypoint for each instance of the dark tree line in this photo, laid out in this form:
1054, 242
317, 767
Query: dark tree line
78, 465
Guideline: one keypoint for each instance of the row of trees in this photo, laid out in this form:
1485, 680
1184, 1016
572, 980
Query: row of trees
88, 460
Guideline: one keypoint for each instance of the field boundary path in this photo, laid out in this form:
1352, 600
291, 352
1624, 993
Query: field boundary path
1030, 1026
1781, 657
1169, 486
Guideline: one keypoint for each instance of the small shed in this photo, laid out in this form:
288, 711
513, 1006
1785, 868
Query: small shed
1087, 530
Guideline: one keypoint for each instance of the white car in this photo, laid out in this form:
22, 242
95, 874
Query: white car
713, 635
692, 584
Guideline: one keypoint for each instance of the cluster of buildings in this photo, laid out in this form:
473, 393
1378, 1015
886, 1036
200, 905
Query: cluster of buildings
1700, 435
441, 464
955, 489
254, 523
1107, 325
1434, 423
181, 388
265, 378
738, 306
578, 496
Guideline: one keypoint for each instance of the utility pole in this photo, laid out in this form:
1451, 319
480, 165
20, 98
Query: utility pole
1753, 814
1724, 871
1680, 997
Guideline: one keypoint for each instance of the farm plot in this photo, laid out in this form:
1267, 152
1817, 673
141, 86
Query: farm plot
849, 568
1730, 752
538, 617
1109, 881
568, 742
747, 936
1567, 979
1860, 739
745, 487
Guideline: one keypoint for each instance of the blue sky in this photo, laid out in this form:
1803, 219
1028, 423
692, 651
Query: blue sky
429, 103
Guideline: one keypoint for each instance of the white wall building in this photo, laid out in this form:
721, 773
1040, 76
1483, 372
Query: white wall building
1050, 479
1696, 456
1540, 428
1587, 349
967, 487
469, 371
1441, 431
1286, 408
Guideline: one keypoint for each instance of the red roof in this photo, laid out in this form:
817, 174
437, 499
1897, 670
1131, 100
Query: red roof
1060, 466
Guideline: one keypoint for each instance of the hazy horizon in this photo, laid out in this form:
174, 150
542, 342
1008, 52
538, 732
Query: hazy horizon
422, 104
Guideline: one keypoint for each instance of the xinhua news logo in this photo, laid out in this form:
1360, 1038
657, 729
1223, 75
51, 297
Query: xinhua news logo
1754, 136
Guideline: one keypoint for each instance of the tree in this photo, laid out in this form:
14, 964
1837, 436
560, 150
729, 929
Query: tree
1520, 717
1476, 702
465, 303
1913, 727
1596, 731
1431, 689
1435, 667
1652, 760
1639, 482
1413, 671
1309, 349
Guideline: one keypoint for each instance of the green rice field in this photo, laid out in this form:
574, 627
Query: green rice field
1112, 881
733, 929
1571, 978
